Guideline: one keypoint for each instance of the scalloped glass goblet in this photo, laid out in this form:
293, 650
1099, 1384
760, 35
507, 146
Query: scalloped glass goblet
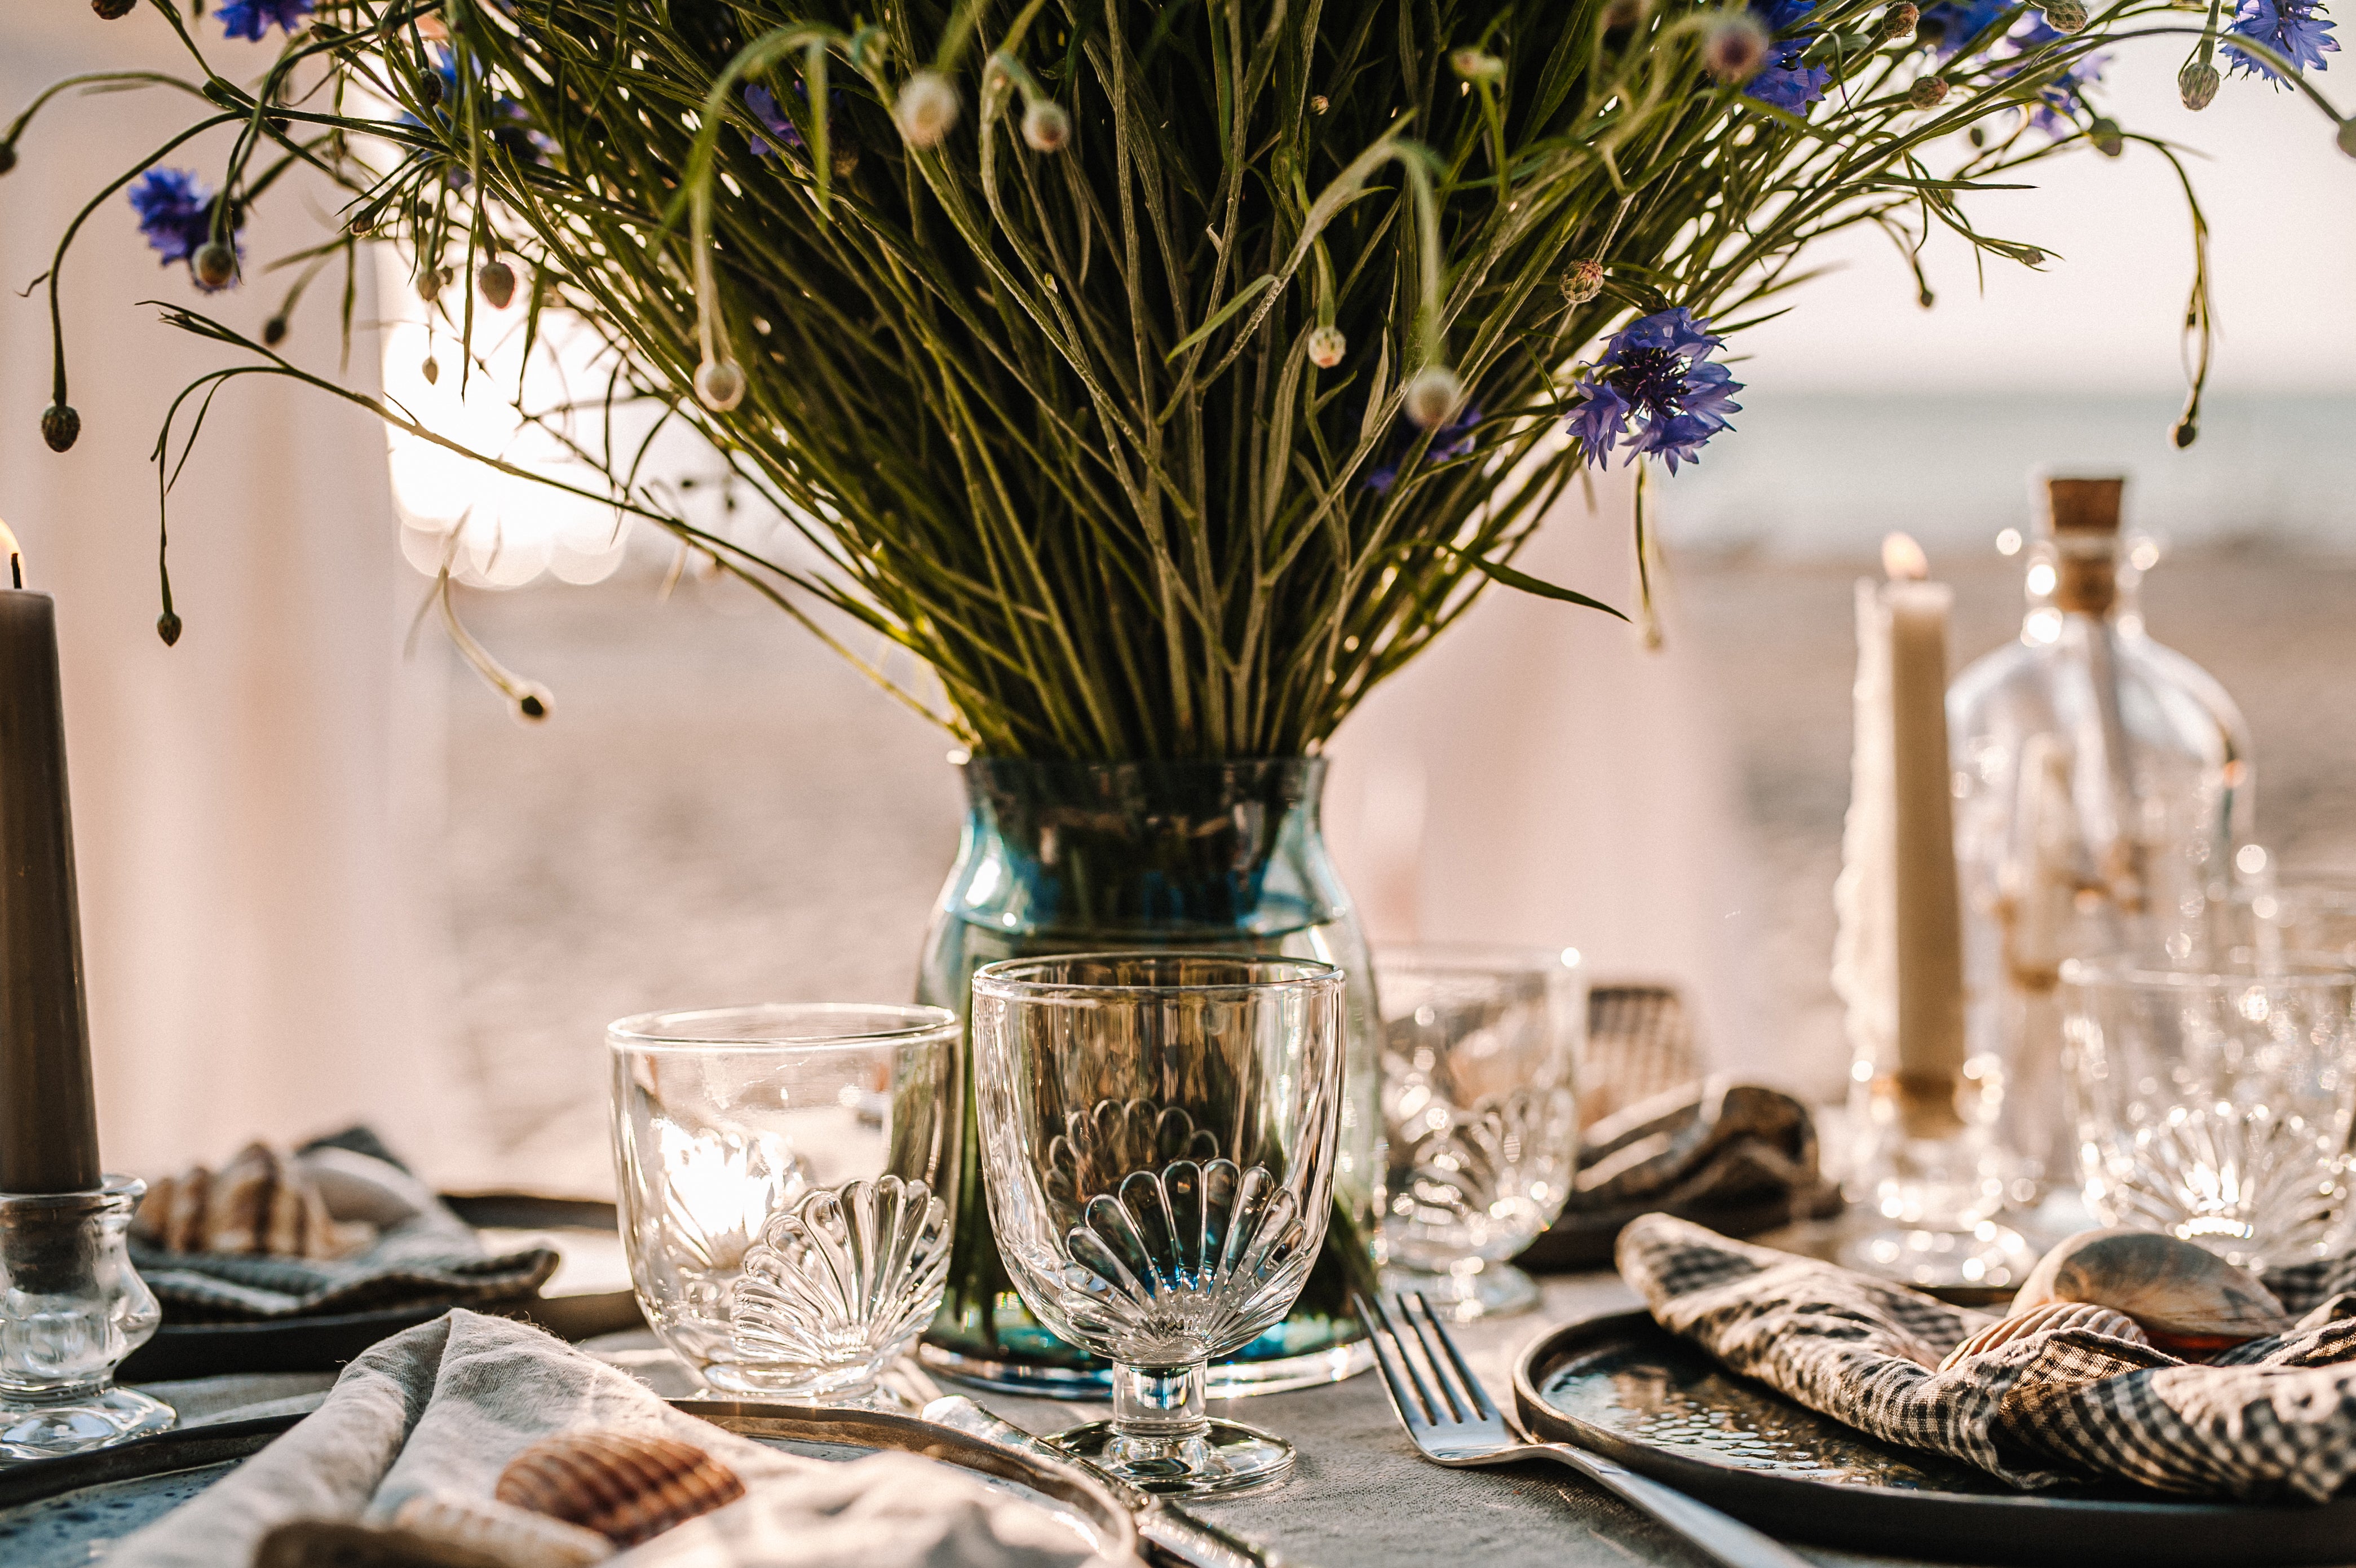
1158, 1133
784, 1174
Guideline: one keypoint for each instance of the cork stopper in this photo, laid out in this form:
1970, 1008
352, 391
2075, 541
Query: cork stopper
2082, 516
2083, 506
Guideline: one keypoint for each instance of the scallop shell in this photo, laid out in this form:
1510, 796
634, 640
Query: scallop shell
309, 1543
2042, 1318
626, 1486
845, 1278
517, 1537
2183, 1295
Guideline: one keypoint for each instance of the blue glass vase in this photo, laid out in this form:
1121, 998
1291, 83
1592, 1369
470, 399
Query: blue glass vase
1085, 856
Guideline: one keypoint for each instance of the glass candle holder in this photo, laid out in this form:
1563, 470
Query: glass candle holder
1158, 1133
1479, 1054
2215, 1105
788, 1179
73, 1307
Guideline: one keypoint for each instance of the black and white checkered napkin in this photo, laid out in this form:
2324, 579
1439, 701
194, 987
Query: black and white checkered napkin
2273, 1419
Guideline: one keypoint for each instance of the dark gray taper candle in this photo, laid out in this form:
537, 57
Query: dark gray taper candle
48, 1116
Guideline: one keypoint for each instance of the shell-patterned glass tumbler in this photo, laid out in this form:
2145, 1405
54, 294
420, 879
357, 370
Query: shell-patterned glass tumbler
1158, 1134
786, 1177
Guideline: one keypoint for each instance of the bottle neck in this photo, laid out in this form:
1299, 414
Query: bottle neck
2086, 575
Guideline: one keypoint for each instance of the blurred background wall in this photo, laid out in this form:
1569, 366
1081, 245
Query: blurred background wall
326, 875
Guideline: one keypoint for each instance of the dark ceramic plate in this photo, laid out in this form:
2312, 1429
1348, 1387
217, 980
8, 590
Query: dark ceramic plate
63, 1513
1622, 1386
323, 1344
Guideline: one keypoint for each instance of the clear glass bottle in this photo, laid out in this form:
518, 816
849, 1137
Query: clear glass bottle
2103, 783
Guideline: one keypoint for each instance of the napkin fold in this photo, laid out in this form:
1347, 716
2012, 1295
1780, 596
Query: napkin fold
2273, 1419
443, 1407
423, 1255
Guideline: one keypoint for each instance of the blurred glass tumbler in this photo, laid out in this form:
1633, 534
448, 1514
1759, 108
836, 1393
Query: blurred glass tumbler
2214, 1106
1479, 1054
1158, 1134
782, 1172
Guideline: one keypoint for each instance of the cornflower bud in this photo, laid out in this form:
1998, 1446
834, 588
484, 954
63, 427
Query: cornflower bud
1734, 48
1928, 93
1432, 395
214, 265
2107, 136
1477, 65
430, 282
1898, 23
167, 626
2028, 255
532, 702
430, 369
1583, 282
2347, 137
2187, 431
8, 156
2197, 84
2065, 15
498, 281
113, 10
1045, 127
1326, 347
928, 107
720, 383
429, 89
1318, 105
273, 332
60, 426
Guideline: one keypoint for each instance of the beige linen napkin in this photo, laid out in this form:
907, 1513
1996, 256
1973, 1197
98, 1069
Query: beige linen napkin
442, 1408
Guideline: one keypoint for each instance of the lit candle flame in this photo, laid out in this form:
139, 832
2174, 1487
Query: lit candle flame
1903, 560
15, 553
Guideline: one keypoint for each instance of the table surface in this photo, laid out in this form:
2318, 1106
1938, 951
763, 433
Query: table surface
1359, 1497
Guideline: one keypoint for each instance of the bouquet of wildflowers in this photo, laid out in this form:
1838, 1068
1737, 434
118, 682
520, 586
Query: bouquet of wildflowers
1161, 374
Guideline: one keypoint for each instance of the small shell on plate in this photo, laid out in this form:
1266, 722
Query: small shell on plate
2185, 1296
517, 1537
310, 1542
626, 1486
2041, 1318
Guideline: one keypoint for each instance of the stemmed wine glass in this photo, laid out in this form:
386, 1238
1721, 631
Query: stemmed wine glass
1158, 1136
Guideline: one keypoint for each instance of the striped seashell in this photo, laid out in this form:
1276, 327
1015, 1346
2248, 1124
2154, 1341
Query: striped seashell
517, 1537
2043, 1318
626, 1486
344, 1544
2190, 1301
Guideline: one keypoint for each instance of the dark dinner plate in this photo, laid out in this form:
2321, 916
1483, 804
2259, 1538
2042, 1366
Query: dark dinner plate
1620, 1385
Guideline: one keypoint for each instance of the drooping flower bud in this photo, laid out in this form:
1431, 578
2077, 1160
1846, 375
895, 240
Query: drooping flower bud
1928, 93
1583, 282
2027, 255
429, 89
1734, 48
1433, 393
927, 109
113, 10
1477, 65
8, 156
1326, 347
2197, 84
430, 369
2108, 139
1045, 127
214, 265
2347, 137
273, 332
60, 426
2187, 431
498, 281
719, 384
167, 626
532, 702
2065, 15
430, 282
1899, 22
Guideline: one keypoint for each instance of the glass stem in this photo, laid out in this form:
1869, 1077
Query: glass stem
1158, 1401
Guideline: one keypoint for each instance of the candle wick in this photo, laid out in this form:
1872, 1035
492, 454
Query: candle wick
16, 569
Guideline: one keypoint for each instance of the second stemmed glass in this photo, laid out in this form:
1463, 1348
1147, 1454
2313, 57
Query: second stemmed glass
1158, 1137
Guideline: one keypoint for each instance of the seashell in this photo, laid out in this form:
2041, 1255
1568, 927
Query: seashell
260, 1202
843, 1279
517, 1537
1099, 1146
626, 1486
311, 1543
2045, 1317
2188, 1299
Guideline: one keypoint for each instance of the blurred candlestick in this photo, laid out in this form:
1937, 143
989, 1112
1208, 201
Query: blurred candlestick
1930, 931
48, 1119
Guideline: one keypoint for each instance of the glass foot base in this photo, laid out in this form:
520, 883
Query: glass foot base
1988, 1256
1496, 1290
1226, 1456
1229, 1379
76, 1426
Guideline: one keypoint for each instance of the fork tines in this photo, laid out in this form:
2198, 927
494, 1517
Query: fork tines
1428, 1381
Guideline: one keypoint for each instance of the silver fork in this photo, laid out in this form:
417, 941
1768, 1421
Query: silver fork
1448, 1414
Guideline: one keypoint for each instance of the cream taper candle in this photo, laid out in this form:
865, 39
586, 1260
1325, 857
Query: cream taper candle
1929, 928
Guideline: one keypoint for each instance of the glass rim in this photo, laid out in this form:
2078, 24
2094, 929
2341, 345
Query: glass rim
1001, 979
1471, 957
2292, 969
676, 1029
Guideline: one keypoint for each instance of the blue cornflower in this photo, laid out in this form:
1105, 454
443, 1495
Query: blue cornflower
1655, 388
176, 214
1453, 439
1783, 80
2296, 29
774, 120
1948, 25
251, 18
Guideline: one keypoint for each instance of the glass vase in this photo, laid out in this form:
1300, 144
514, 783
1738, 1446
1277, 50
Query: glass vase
1065, 857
